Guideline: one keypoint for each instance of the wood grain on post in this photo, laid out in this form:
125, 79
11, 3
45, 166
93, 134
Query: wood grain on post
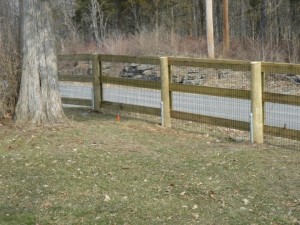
165, 91
97, 87
256, 102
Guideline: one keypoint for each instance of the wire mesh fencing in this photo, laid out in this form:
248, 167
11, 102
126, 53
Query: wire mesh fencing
209, 94
75, 80
131, 86
201, 95
282, 104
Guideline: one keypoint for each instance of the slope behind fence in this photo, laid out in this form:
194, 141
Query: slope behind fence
216, 92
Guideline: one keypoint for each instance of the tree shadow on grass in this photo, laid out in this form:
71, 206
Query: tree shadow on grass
16, 219
86, 114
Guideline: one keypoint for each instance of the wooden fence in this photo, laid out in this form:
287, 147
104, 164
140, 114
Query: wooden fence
256, 95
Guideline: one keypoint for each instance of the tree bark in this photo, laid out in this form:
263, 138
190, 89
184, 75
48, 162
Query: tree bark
226, 40
196, 17
217, 15
39, 98
94, 11
263, 19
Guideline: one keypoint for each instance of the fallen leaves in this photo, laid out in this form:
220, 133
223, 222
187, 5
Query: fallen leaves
46, 205
107, 198
195, 215
182, 193
246, 201
212, 195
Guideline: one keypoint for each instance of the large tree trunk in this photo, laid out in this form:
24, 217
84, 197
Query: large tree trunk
39, 99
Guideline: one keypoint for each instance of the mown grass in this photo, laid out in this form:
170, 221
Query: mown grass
99, 171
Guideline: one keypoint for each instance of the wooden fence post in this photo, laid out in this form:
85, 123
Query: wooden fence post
256, 102
97, 87
165, 92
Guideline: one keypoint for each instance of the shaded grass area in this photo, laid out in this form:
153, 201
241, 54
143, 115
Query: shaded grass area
99, 171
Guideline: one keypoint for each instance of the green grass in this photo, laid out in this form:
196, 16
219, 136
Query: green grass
99, 171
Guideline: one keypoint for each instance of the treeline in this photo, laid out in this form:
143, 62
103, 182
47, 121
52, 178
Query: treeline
248, 18
271, 24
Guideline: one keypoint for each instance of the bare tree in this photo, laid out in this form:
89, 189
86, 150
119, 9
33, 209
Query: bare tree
98, 20
95, 7
226, 41
39, 99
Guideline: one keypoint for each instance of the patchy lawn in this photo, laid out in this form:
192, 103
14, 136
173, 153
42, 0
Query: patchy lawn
100, 171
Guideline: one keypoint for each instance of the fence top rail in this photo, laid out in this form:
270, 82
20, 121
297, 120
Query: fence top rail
130, 59
237, 65
288, 68
74, 57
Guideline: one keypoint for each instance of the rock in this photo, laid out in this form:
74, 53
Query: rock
193, 79
142, 72
127, 74
193, 82
193, 71
147, 72
153, 78
137, 77
297, 79
143, 67
223, 73
177, 78
134, 65
190, 76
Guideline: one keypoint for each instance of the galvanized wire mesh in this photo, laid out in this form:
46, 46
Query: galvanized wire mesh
214, 94
206, 100
282, 108
73, 90
136, 89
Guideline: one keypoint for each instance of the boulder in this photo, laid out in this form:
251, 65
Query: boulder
137, 77
144, 67
194, 77
223, 73
147, 72
141, 72
193, 82
176, 78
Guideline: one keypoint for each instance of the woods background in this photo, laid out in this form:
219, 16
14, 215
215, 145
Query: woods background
259, 29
